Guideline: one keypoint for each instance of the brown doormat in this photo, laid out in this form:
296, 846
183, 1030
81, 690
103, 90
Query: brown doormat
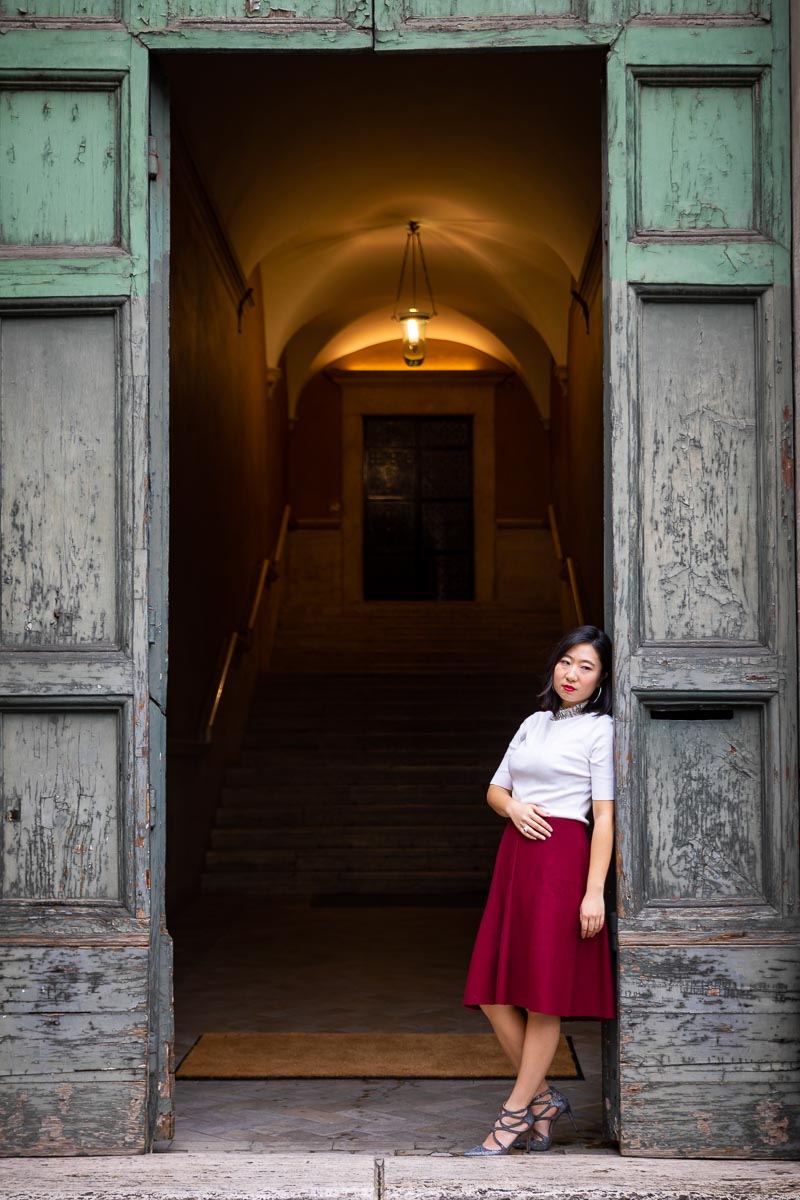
358, 1055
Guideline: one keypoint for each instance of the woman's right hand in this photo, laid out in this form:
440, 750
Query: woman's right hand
529, 820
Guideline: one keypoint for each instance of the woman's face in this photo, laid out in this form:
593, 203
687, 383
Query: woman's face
577, 674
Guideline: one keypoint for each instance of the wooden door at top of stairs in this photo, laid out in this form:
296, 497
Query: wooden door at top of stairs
418, 535
85, 1049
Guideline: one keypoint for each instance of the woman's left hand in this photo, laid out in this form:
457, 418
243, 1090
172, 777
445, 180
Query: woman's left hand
593, 914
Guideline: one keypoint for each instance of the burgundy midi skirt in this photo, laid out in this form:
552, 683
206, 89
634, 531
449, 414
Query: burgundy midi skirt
529, 951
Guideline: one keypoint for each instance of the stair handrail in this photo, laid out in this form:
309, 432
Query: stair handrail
567, 564
269, 571
266, 577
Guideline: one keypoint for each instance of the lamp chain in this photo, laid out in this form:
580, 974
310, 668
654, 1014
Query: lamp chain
413, 241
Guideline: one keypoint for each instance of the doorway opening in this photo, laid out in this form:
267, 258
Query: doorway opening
329, 844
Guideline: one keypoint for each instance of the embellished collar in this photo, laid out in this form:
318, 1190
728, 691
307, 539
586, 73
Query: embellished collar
574, 710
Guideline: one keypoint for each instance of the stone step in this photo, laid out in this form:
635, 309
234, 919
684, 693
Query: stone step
313, 664
331, 682
424, 612
356, 738
345, 858
356, 792
437, 729
474, 775
384, 882
376, 717
464, 691
326, 759
461, 698
389, 838
447, 644
368, 750
359, 797
441, 718
475, 812
435, 723
449, 635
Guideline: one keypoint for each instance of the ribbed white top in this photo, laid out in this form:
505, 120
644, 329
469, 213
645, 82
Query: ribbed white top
560, 765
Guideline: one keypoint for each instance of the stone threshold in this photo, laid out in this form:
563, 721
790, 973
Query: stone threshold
593, 1175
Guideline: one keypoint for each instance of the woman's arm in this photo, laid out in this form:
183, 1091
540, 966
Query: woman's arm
592, 906
527, 818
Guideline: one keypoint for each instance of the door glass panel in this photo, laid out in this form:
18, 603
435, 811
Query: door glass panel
390, 527
389, 472
447, 473
446, 526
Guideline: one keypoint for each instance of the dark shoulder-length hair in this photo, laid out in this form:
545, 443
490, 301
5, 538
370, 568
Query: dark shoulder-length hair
599, 703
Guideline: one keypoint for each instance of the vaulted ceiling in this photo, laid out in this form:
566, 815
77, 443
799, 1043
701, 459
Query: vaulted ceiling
315, 163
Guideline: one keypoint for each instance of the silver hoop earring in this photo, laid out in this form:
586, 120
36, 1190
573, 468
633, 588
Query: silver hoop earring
597, 694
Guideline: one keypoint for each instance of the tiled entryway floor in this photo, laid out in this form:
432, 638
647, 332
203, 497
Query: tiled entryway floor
252, 964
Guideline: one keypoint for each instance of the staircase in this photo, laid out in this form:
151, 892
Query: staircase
368, 751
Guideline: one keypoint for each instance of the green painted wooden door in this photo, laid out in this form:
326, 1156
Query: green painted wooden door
79, 927
698, 362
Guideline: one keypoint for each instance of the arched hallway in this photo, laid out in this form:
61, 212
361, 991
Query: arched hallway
330, 846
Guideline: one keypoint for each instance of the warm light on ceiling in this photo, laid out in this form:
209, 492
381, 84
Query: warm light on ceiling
412, 318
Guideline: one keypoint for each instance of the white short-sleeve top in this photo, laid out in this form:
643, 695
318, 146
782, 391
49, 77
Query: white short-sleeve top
560, 765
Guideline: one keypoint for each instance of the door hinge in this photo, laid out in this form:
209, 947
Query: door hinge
152, 625
152, 157
151, 805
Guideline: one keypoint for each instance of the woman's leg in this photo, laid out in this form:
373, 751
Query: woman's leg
540, 1039
508, 1024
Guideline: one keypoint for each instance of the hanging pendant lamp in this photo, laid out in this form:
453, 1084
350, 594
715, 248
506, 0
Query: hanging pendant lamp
413, 318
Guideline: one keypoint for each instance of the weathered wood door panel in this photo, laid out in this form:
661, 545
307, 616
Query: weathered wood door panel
19, 12
255, 24
75, 910
702, 518
471, 24
208, 24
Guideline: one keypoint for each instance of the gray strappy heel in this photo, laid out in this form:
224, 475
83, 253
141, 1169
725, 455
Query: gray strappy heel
534, 1140
518, 1115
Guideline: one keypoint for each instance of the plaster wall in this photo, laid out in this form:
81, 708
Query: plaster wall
577, 438
227, 450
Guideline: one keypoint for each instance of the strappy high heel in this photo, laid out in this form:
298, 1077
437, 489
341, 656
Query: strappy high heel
536, 1140
518, 1115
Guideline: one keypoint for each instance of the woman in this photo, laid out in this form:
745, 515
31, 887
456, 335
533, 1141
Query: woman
542, 948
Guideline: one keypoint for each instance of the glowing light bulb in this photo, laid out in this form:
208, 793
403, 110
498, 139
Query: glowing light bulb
414, 322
